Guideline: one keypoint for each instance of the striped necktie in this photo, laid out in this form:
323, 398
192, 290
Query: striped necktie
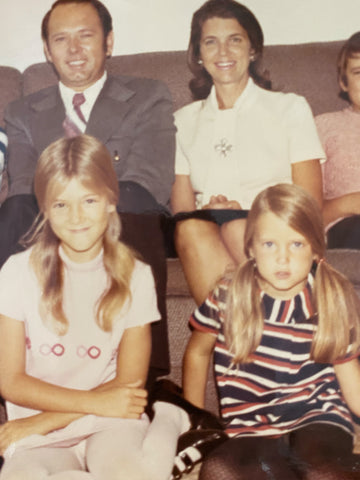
78, 100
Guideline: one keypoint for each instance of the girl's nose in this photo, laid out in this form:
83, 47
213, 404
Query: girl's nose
283, 255
75, 214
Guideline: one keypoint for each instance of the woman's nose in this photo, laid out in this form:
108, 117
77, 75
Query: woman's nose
223, 49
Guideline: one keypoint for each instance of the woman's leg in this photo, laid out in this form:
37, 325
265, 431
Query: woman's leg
248, 459
232, 234
44, 463
203, 255
138, 449
324, 451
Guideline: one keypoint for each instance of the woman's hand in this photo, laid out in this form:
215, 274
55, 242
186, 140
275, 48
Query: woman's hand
124, 401
219, 202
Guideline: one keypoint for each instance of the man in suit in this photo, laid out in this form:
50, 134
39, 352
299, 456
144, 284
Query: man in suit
131, 116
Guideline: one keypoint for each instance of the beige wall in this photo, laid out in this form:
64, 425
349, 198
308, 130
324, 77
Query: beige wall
150, 25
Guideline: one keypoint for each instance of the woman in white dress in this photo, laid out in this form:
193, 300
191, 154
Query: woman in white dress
234, 140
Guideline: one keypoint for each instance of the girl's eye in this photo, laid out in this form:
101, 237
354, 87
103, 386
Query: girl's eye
297, 244
59, 205
268, 244
91, 200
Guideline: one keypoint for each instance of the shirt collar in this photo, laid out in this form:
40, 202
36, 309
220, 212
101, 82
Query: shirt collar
91, 93
249, 88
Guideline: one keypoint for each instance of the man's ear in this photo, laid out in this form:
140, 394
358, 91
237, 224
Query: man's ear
47, 52
109, 44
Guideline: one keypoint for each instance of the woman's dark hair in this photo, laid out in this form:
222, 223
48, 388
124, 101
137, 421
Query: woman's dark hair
201, 84
350, 49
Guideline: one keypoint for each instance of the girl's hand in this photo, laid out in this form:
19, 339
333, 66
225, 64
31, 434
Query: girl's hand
219, 202
125, 401
14, 430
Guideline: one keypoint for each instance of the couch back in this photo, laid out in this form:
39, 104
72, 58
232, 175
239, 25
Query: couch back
307, 69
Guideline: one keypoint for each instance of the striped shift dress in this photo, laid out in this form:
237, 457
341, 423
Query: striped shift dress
281, 388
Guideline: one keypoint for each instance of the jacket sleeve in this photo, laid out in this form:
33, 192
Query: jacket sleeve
21, 154
151, 158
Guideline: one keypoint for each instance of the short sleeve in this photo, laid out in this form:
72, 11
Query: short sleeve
208, 317
182, 166
143, 307
12, 293
304, 141
3, 145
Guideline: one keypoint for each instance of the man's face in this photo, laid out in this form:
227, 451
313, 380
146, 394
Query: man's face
76, 45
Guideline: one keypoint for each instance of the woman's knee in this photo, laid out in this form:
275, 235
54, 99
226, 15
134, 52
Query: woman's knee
193, 232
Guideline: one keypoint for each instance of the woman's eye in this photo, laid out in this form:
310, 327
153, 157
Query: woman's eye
209, 42
236, 39
298, 244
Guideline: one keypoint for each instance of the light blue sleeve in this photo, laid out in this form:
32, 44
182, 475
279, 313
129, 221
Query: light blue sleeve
3, 145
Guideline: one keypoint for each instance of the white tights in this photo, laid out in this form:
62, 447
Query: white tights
134, 450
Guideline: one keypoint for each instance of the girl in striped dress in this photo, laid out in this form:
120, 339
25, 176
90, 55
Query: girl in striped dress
285, 331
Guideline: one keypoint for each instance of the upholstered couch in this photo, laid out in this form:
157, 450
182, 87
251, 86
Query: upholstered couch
306, 69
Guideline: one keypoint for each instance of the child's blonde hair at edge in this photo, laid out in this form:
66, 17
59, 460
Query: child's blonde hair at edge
335, 303
86, 159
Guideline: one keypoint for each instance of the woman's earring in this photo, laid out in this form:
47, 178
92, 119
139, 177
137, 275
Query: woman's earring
200, 62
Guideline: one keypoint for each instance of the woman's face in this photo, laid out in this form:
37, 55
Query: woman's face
353, 81
225, 51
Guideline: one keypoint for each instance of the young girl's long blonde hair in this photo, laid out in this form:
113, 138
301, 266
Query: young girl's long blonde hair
87, 160
335, 303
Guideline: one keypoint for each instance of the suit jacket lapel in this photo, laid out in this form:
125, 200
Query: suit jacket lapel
110, 108
49, 111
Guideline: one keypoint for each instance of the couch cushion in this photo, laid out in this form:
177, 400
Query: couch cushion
10, 88
307, 69
347, 262
170, 67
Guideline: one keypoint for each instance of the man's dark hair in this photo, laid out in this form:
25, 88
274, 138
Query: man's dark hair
103, 12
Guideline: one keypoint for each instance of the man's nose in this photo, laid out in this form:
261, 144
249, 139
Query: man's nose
74, 44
